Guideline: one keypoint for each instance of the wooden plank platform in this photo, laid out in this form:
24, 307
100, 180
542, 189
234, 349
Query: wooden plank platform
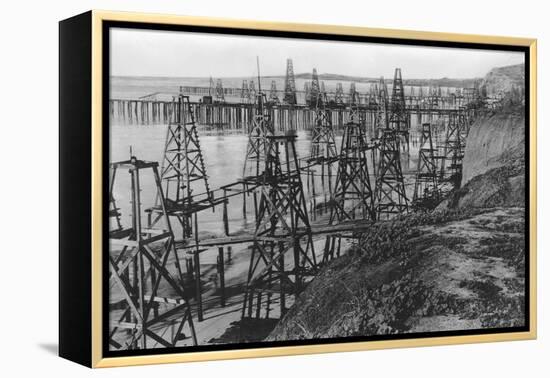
346, 229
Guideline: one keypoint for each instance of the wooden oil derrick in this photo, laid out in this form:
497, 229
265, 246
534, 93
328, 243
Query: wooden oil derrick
323, 90
252, 90
220, 94
261, 128
307, 92
453, 149
373, 95
141, 316
282, 257
381, 120
290, 84
426, 189
323, 145
245, 93
353, 196
186, 188
211, 87
314, 90
433, 99
183, 172
339, 94
354, 97
390, 196
398, 116
273, 96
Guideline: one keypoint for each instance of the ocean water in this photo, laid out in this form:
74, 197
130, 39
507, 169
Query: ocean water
223, 154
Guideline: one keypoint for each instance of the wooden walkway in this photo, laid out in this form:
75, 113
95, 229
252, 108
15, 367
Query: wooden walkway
347, 228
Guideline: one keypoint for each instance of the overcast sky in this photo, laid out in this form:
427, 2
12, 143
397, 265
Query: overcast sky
169, 53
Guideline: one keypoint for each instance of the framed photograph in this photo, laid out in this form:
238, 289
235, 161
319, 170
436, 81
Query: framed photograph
235, 189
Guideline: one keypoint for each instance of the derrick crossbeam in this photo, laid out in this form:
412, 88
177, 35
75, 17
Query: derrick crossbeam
353, 196
426, 188
323, 145
390, 194
183, 171
279, 264
138, 269
261, 129
457, 130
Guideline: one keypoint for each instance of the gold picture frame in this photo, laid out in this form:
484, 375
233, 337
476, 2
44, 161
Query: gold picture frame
97, 18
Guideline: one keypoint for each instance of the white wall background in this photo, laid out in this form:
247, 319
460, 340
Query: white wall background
29, 215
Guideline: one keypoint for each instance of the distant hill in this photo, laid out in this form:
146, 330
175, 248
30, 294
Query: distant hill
443, 82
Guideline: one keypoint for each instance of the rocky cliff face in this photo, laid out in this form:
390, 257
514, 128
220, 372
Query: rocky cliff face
504, 79
494, 164
493, 141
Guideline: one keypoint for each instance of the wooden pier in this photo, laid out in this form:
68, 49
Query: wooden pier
237, 116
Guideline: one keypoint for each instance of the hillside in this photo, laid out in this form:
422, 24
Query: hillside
460, 267
440, 272
503, 79
443, 82
494, 164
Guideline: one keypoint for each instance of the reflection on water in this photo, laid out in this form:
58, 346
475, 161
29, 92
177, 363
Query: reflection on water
223, 154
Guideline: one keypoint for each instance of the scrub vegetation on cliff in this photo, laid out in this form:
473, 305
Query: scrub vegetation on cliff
459, 267
456, 270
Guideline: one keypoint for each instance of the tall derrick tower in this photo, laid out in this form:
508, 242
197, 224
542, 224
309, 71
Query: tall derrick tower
399, 119
353, 197
290, 84
354, 98
252, 91
273, 96
220, 93
282, 257
453, 149
390, 194
339, 94
323, 145
148, 305
183, 171
262, 127
211, 87
307, 92
426, 190
314, 89
245, 93
373, 94
381, 120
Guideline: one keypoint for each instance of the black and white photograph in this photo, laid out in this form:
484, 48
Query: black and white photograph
284, 190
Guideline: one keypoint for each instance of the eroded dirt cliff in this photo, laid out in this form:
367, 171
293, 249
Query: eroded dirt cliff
444, 271
494, 140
